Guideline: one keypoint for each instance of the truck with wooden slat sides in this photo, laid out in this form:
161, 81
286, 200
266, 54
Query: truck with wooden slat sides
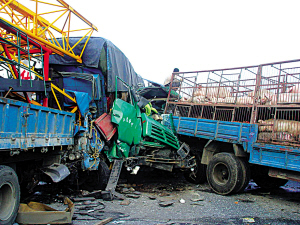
243, 123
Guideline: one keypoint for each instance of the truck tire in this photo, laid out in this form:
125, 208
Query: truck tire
263, 180
96, 179
9, 195
246, 175
198, 176
224, 173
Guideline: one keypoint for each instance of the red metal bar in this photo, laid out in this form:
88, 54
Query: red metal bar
9, 57
46, 74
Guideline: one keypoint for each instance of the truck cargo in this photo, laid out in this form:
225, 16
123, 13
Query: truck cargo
244, 121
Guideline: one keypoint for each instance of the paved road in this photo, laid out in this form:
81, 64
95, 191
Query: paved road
198, 205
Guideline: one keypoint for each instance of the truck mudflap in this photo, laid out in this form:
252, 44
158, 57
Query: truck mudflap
57, 172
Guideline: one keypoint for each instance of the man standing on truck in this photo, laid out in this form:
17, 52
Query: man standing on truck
168, 80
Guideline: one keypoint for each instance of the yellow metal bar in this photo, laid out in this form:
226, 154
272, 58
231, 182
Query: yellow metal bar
17, 17
79, 118
78, 14
9, 14
53, 92
22, 97
31, 22
48, 44
35, 26
28, 13
79, 41
50, 25
10, 68
53, 39
47, 3
51, 12
69, 26
6, 4
86, 43
63, 41
78, 30
75, 109
64, 93
68, 47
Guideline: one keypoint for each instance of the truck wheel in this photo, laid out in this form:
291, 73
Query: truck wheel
263, 180
9, 195
224, 173
246, 175
198, 176
96, 179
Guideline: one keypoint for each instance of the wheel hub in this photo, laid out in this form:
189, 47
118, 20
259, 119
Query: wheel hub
221, 173
7, 201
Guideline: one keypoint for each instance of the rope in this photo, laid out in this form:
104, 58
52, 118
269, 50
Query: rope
99, 144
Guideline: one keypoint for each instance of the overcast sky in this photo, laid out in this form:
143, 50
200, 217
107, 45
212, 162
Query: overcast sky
159, 35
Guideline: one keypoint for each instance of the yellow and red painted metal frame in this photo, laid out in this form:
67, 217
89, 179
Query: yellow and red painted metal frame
32, 20
12, 53
39, 34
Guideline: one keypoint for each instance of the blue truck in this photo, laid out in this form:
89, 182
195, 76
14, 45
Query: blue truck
67, 128
241, 123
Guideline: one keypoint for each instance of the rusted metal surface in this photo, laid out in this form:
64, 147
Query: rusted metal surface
267, 95
284, 174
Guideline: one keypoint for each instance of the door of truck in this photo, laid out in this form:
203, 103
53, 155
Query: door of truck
127, 116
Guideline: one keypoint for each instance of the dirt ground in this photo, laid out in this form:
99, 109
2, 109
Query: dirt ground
166, 198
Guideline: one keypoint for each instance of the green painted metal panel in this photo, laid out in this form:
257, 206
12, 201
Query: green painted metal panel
126, 117
157, 131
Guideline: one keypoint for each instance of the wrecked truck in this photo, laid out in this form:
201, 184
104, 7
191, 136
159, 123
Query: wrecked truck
69, 127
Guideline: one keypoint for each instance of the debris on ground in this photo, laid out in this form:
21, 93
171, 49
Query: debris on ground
248, 220
166, 204
95, 194
196, 203
164, 194
39, 213
105, 221
246, 200
125, 202
159, 199
84, 199
152, 197
182, 201
132, 196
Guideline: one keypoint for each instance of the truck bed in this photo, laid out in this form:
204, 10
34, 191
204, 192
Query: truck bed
26, 126
245, 134
267, 95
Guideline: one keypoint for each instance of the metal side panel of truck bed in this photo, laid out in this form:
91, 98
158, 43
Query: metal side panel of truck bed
277, 156
26, 126
232, 132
